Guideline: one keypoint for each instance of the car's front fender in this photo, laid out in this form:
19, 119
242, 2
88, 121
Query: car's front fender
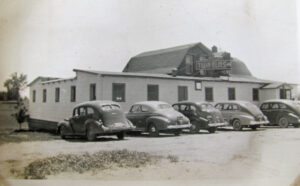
66, 124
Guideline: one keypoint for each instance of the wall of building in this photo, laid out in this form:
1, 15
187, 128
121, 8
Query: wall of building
136, 90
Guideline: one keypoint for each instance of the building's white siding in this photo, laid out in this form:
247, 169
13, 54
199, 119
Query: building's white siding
136, 90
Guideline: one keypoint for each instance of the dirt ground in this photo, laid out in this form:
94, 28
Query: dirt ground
268, 156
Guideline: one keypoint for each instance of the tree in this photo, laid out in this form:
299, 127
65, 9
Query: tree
15, 84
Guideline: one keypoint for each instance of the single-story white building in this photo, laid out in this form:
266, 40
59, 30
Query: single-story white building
189, 72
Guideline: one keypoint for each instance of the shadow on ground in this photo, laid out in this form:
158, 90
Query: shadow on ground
17, 136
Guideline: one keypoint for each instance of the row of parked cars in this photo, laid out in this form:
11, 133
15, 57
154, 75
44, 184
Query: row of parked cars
95, 118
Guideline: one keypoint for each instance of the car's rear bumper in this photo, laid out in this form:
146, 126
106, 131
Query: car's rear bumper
258, 123
116, 129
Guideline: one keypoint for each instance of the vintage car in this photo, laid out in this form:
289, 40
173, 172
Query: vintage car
202, 115
282, 112
157, 116
95, 118
240, 114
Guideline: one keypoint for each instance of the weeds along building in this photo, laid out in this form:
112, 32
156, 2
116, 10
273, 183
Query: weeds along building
190, 72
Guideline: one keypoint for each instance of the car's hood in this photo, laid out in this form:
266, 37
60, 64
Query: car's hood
169, 113
114, 116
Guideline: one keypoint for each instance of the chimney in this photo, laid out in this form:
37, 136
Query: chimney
214, 49
174, 72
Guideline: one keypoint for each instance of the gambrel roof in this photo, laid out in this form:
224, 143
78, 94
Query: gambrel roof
164, 60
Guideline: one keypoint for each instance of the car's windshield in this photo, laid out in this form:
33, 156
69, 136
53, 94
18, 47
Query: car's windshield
164, 106
207, 107
110, 107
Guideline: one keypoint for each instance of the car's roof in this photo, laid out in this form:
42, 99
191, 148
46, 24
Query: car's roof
235, 101
193, 102
96, 103
150, 103
279, 100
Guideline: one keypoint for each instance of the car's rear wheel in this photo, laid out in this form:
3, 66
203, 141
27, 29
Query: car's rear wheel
121, 135
236, 124
283, 122
153, 132
212, 130
62, 131
194, 128
90, 136
254, 127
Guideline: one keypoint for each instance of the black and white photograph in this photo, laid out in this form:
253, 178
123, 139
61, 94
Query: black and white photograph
140, 92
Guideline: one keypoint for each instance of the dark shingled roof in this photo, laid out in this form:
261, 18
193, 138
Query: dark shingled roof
164, 60
161, 61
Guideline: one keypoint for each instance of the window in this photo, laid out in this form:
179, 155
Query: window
275, 106
255, 94
82, 111
189, 64
231, 93
182, 93
118, 92
44, 95
183, 107
153, 93
219, 106
33, 95
198, 85
282, 106
209, 94
235, 107
193, 108
135, 109
145, 108
176, 107
93, 91
285, 94
73, 93
56, 94
265, 106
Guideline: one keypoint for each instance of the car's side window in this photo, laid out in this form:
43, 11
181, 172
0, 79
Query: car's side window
265, 106
219, 106
75, 112
275, 106
235, 107
135, 109
183, 107
226, 107
145, 108
193, 108
176, 107
82, 111
90, 112
282, 106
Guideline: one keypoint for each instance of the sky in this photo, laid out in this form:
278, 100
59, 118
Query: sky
52, 37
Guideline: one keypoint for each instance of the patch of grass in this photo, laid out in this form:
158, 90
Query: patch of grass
80, 163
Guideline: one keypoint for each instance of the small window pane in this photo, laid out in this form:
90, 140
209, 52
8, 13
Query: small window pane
44, 95
209, 94
118, 92
92, 92
57, 92
152, 93
73, 93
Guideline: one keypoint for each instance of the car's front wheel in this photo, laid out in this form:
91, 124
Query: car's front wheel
90, 136
283, 122
237, 126
153, 132
212, 130
194, 128
177, 133
121, 135
62, 131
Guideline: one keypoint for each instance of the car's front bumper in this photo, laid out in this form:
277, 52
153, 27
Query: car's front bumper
183, 126
217, 124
